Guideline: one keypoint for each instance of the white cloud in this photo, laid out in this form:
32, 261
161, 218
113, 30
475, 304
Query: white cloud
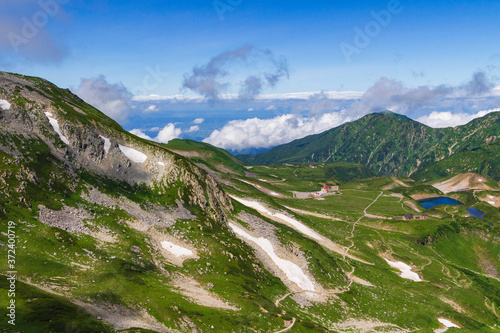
172, 98
152, 108
271, 108
141, 134
496, 91
198, 121
251, 109
193, 129
448, 119
264, 133
112, 99
340, 95
168, 133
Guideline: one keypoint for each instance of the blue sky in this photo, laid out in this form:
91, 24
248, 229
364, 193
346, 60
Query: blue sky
424, 43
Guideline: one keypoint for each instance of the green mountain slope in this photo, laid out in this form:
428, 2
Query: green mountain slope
114, 233
388, 143
484, 161
205, 154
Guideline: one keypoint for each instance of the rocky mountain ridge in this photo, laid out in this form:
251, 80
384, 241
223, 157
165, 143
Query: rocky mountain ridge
32, 99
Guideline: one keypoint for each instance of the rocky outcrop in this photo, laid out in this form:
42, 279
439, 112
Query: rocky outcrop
31, 99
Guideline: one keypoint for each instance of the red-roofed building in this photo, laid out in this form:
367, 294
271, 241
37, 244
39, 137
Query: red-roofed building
329, 189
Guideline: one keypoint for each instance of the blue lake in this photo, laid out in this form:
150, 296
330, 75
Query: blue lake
433, 202
474, 212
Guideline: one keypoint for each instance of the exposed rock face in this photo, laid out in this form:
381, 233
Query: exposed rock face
78, 122
68, 218
152, 216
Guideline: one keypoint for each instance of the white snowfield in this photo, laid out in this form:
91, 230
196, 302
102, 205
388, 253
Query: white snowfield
293, 272
4, 104
55, 125
290, 221
176, 250
161, 163
491, 203
406, 272
274, 194
256, 185
107, 144
447, 323
133, 154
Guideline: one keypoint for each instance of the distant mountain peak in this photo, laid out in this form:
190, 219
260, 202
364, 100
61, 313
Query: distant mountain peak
387, 114
390, 144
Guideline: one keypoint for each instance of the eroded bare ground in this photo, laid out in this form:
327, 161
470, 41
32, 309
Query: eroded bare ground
122, 318
412, 205
396, 183
72, 220
199, 295
485, 263
463, 182
68, 218
118, 316
360, 281
153, 216
365, 326
491, 198
453, 304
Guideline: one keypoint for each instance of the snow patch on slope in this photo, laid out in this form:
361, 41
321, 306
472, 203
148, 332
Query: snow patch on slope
406, 271
55, 125
290, 221
107, 144
176, 250
133, 154
293, 272
447, 323
4, 104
